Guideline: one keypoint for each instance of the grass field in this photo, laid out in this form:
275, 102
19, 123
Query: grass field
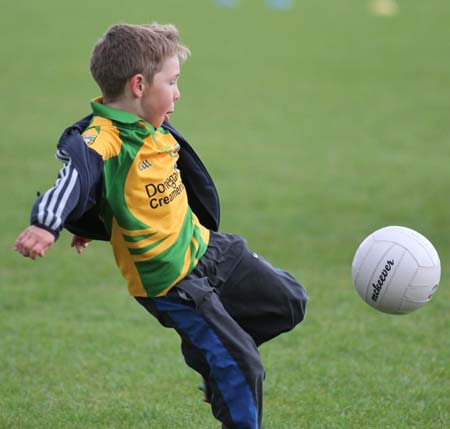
319, 124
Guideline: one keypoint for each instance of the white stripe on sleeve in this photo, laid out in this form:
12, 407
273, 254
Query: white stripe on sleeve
52, 205
65, 197
54, 194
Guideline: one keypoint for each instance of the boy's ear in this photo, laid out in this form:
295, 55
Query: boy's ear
137, 83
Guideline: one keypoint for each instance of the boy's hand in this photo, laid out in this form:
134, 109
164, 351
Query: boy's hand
80, 243
34, 242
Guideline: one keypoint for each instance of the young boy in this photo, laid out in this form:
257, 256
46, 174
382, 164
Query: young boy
131, 178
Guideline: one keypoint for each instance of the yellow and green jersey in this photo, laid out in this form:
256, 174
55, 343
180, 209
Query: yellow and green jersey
156, 238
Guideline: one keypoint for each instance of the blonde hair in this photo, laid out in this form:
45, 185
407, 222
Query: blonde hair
125, 50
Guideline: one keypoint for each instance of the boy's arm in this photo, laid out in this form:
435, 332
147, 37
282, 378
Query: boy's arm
49, 213
51, 209
74, 194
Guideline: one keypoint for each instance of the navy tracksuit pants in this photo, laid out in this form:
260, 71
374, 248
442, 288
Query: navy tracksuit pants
232, 302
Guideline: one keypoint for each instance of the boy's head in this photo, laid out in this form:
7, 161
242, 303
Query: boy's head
126, 50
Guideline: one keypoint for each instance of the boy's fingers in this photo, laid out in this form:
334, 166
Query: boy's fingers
25, 246
31, 252
20, 242
32, 243
74, 241
40, 249
81, 245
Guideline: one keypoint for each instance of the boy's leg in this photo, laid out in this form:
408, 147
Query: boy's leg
217, 347
265, 301
275, 301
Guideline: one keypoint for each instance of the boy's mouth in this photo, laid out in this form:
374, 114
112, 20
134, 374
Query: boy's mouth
167, 115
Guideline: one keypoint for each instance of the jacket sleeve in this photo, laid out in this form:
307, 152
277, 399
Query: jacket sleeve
76, 190
84, 220
51, 209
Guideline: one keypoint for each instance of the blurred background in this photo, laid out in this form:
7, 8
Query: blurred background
320, 121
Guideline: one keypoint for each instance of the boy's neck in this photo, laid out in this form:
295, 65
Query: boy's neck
123, 103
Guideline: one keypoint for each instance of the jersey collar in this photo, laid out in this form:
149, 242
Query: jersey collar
99, 109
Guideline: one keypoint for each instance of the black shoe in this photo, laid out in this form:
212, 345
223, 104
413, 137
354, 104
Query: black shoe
206, 392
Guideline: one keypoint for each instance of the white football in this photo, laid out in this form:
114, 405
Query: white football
396, 270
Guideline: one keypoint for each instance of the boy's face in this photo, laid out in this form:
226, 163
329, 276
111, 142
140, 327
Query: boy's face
159, 97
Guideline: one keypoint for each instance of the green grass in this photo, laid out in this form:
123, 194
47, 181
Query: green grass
319, 124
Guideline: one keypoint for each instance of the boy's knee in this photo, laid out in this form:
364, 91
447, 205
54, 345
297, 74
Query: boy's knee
256, 368
296, 298
300, 306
